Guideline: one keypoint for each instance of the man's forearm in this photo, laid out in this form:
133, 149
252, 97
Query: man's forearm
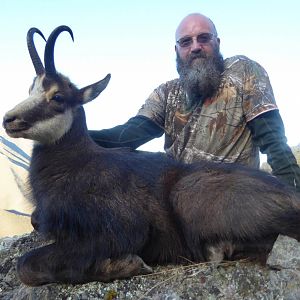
134, 133
268, 133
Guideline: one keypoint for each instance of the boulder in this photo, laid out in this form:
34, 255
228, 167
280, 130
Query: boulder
279, 279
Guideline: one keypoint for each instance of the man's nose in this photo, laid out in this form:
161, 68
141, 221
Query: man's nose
196, 46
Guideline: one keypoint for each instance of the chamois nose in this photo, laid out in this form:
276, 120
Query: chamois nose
8, 119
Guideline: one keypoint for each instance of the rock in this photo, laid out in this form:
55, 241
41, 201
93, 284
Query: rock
285, 254
6, 242
229, 280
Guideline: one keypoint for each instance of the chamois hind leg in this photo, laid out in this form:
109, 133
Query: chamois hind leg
55, 264
252, 250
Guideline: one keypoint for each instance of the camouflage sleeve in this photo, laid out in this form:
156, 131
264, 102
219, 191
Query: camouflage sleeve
154, 107
258, 95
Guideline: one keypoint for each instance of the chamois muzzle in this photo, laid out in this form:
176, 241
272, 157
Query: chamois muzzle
49, 50
38, 66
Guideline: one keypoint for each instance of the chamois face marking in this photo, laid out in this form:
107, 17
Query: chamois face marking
47, 114
53, 92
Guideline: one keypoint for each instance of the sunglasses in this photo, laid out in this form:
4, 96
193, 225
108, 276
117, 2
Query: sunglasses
202, 38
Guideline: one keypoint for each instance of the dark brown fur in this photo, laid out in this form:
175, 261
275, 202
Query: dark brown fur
107, 208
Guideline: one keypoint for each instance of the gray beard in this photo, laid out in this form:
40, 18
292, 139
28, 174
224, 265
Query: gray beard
200, 76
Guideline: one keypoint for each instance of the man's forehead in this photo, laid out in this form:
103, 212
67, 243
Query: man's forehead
194, 24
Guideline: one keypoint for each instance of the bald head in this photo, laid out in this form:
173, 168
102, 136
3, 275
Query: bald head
196, 33
193, 24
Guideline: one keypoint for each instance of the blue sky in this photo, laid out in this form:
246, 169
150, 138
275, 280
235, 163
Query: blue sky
134, 41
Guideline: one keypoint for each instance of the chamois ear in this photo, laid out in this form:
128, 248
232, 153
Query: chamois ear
90, 92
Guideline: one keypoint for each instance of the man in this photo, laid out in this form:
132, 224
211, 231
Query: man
220, 110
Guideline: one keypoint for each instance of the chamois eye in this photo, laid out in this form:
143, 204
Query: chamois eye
58, 98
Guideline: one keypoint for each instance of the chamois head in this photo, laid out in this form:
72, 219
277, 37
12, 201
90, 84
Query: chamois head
47, 114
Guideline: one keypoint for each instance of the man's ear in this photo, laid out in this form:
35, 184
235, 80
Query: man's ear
90, 92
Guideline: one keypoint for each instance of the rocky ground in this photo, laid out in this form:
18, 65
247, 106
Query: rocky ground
237, 280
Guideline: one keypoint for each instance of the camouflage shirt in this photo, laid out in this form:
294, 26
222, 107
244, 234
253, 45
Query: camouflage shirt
217, 129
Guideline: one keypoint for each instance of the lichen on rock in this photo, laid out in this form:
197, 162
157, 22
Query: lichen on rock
228, 280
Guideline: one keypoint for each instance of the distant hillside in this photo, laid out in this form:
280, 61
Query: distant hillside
296, 151
15, 209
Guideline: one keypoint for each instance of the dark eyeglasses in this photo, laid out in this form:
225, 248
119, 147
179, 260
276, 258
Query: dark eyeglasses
202, 38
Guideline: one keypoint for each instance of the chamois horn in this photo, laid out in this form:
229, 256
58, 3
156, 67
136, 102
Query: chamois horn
37, 63
49, 49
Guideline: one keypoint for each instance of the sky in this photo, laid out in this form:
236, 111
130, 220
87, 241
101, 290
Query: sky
134, 41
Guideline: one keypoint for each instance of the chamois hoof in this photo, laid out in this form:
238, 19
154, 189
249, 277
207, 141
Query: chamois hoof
124, 267
145, 269
136, 266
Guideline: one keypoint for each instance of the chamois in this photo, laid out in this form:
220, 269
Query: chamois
111, 212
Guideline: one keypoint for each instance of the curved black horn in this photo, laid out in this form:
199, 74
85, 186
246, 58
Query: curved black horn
49, 50
38, 66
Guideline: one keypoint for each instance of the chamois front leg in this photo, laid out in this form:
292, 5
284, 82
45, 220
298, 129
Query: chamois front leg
51, 264
35, 220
